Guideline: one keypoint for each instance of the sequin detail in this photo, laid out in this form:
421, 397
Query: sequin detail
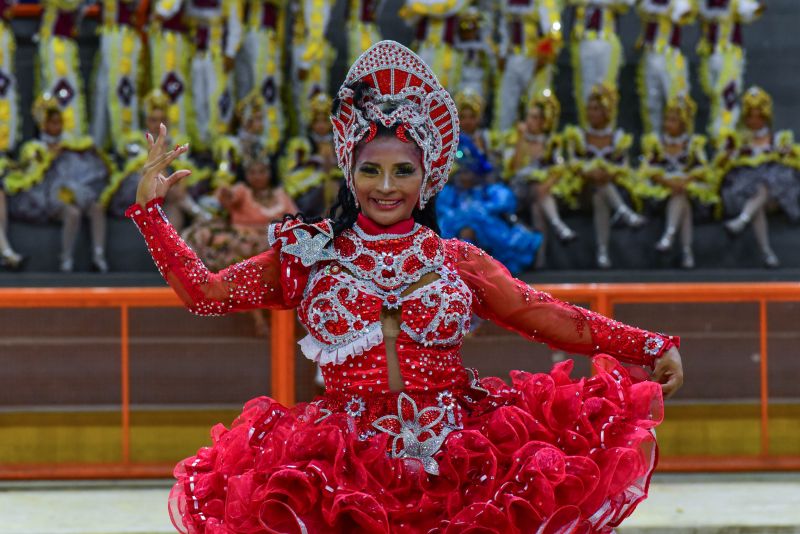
414, 437
401, 89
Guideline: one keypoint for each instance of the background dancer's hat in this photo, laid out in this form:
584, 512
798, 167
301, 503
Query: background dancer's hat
390, 85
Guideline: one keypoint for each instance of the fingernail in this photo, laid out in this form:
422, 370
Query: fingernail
162, 124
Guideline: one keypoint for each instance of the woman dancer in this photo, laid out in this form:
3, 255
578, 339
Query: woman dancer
759, 168
405, 439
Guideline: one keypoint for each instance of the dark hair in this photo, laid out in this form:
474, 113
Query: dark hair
344, 212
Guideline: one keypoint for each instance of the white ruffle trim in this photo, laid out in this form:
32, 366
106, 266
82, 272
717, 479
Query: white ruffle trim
324, 354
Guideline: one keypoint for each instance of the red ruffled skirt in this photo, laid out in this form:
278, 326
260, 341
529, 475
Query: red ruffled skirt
557, 455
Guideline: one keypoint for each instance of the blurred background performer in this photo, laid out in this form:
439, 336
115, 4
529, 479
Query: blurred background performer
216, 27
131, 155
308, 167
759, 169
663, 69
534, 164
170, 56
476, 48
530, 40
674, 166
58, 64
9, 104
362, 26
60, 178
312, 56
115, 96
436, 25
261, 64
599, 156
476, 209
596, 48
722, 57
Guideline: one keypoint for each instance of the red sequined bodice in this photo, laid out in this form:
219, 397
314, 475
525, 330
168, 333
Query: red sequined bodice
344, 299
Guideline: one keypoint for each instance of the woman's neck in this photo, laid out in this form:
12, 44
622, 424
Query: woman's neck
372, 228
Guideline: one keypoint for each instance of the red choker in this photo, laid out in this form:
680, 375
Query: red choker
372, 228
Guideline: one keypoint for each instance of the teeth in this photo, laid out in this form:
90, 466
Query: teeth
387, 202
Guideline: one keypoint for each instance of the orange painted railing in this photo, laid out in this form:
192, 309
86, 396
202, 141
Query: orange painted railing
601, 297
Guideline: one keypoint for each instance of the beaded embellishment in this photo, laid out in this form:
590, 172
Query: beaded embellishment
402, 90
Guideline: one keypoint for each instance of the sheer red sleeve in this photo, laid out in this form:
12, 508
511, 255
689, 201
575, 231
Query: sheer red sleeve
511, 303
253, 283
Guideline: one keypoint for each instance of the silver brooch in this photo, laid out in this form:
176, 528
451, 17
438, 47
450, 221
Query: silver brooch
309, 249
411, 430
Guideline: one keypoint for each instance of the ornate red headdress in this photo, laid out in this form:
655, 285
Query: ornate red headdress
401, 91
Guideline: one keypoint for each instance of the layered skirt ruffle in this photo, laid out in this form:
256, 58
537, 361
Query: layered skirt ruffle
548, 454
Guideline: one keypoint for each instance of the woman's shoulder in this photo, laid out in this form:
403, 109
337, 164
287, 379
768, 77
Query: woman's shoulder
306, 242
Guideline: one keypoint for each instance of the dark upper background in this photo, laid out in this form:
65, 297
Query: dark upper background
772, 44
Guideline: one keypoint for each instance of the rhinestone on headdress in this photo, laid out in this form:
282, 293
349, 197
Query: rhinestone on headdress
401, 90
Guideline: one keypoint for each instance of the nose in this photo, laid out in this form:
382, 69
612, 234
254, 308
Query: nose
386, 185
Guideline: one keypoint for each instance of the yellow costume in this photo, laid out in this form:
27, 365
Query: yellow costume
170, 57
263, 55
362, 26
115, 106
530, 40
58, 65
436, 26
722, 57
596, 50
9, 103
313, 57
663, 70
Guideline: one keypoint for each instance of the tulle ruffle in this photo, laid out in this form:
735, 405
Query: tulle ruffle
557, 456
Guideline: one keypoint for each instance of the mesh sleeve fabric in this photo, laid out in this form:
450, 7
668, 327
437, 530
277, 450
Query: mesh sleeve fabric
250, 284
512, 304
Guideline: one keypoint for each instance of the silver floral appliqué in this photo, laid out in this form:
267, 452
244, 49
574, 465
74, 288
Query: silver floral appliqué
412, 430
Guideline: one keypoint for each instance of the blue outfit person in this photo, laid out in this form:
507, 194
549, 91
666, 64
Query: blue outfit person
484, 213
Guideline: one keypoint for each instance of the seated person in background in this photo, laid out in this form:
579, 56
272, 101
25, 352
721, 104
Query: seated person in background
121, 190
228, 150
240, 233
598, 158
9, 258
59, 178
759, 168
534, 164
484, 213
674, 166
308, 168
471, 107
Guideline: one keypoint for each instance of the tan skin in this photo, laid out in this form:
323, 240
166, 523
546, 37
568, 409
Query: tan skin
385, 169
674, 126
255, 123
754, 121
321, 126
527, 150
258, 177
53, 126
598, 118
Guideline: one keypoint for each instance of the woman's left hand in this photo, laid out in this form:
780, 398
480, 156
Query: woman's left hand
669, 372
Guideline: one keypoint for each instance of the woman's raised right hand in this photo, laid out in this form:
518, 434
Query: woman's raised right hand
154, 183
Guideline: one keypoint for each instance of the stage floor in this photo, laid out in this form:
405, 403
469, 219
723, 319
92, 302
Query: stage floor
686, 504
